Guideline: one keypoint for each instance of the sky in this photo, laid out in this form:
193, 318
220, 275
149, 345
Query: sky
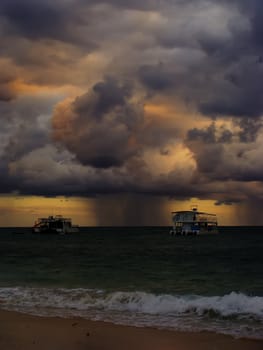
119, 112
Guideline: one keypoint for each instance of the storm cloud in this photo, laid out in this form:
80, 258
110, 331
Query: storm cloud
144, 98
100, 127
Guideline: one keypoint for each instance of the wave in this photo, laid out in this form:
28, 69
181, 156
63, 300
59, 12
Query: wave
235, 313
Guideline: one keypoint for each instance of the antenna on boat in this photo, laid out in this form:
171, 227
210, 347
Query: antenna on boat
194, 207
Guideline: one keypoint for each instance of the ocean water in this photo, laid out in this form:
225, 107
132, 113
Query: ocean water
138, 276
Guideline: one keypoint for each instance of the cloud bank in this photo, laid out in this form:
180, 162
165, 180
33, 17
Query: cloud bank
151, 98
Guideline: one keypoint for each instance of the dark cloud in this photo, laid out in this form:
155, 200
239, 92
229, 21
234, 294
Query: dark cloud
222, 155
45, 171
65, 176
216, 89
206, 135
7, 78
225, 78
210, 135
156, 77
129, 4
45, 19
101, 127
6, 93
250, 128
8, 183
242, 96
207, 58
32, 138
58, 19
30, 18
107, 95
24, 127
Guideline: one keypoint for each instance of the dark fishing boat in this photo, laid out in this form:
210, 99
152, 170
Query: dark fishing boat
55, 224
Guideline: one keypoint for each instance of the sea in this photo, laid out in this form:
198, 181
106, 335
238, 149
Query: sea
139, 276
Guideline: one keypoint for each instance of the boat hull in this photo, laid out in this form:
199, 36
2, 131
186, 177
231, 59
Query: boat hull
176, 232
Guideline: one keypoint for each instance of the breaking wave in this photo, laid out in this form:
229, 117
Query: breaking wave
235, 313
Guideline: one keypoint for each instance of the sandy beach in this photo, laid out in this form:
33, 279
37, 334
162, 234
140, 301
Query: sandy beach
25, 332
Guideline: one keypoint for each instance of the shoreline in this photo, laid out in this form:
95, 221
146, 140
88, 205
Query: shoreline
19, 331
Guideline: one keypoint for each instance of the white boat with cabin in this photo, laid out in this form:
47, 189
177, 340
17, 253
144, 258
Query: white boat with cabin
193, 222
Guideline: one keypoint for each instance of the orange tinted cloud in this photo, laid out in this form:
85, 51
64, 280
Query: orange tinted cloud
23, 88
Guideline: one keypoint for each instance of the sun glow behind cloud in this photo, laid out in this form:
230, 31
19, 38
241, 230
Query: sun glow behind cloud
27, 209
114, 210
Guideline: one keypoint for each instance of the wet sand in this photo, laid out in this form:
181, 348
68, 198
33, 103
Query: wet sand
25, 332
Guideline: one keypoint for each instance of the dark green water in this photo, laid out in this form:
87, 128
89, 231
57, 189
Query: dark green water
146, 259
141, 276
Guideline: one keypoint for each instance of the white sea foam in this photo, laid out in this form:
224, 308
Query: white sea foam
234, 313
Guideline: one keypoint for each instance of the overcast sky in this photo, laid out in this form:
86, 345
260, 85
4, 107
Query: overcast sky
149, 101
